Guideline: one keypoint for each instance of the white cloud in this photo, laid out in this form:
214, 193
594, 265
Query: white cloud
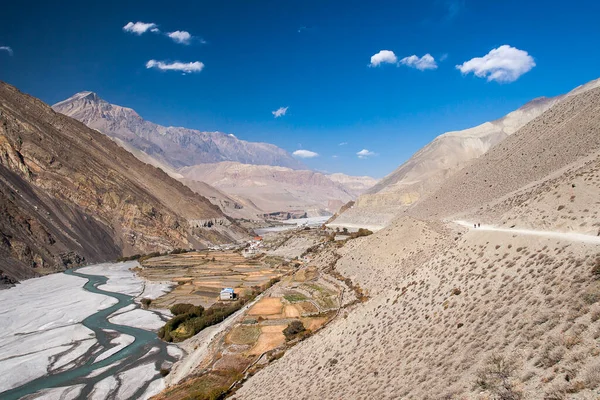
140, 27
280, 112
195, 66
422, 63
343, 144
384, 56
364, 153
181, 37
504, 64
7, 49
334, 156
305, 154
444, 57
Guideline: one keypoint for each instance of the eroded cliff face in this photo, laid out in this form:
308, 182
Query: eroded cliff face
70, 195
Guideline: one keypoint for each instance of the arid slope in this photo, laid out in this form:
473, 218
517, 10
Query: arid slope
273, 189
566, 133
457, 313
438, 161
71, 195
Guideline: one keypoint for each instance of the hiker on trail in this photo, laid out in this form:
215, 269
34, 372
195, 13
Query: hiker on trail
478, 225
474, 225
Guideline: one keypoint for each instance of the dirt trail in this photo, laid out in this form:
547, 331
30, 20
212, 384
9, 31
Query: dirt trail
571, 236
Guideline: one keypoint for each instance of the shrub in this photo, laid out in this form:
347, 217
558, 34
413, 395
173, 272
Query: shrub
596, 268
187, 324
294, 328
130, 258
146, 302
186, 308
180, 251
591, 296
498, 377
272, 281
361, 232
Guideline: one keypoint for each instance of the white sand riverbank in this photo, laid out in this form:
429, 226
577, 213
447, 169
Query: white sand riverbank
41, 319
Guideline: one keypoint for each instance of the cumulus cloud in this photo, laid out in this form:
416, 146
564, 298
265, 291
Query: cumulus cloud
7, 49
364, 153
420, 63
305, 154
181, 37
504, 64
195, 66
139, 28
384, 56
280, 112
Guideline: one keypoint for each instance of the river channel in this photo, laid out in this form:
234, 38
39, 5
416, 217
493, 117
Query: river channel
145, 349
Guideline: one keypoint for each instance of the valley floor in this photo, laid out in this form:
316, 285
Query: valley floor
49, 334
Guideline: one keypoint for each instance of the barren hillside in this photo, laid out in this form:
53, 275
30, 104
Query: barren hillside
357, 185
435, 163
509, 310
566, 133
234, 207
273, 189
70, 195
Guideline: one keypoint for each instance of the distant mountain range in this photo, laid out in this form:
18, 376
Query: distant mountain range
177, 147
274, 189
250, 179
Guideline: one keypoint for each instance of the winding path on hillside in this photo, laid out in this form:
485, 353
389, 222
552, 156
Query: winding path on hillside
570, 236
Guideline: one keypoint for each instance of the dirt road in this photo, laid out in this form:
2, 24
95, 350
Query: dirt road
571, 236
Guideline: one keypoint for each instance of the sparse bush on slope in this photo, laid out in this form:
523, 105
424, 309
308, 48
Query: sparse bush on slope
294, 328
596, 268
497, 376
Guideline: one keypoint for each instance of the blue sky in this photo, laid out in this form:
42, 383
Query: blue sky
312, 57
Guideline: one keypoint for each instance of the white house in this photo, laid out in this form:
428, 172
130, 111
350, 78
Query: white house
227, 294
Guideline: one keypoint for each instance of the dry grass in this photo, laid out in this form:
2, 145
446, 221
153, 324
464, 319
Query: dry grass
266, 307
244, 334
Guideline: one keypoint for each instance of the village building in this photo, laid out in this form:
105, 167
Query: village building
227, 294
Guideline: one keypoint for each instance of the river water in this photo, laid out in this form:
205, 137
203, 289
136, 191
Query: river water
145, 349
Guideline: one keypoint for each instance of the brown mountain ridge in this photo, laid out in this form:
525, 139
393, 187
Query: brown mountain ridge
70, 195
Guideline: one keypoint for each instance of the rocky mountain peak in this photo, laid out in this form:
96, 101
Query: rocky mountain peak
173, 146
86, 96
